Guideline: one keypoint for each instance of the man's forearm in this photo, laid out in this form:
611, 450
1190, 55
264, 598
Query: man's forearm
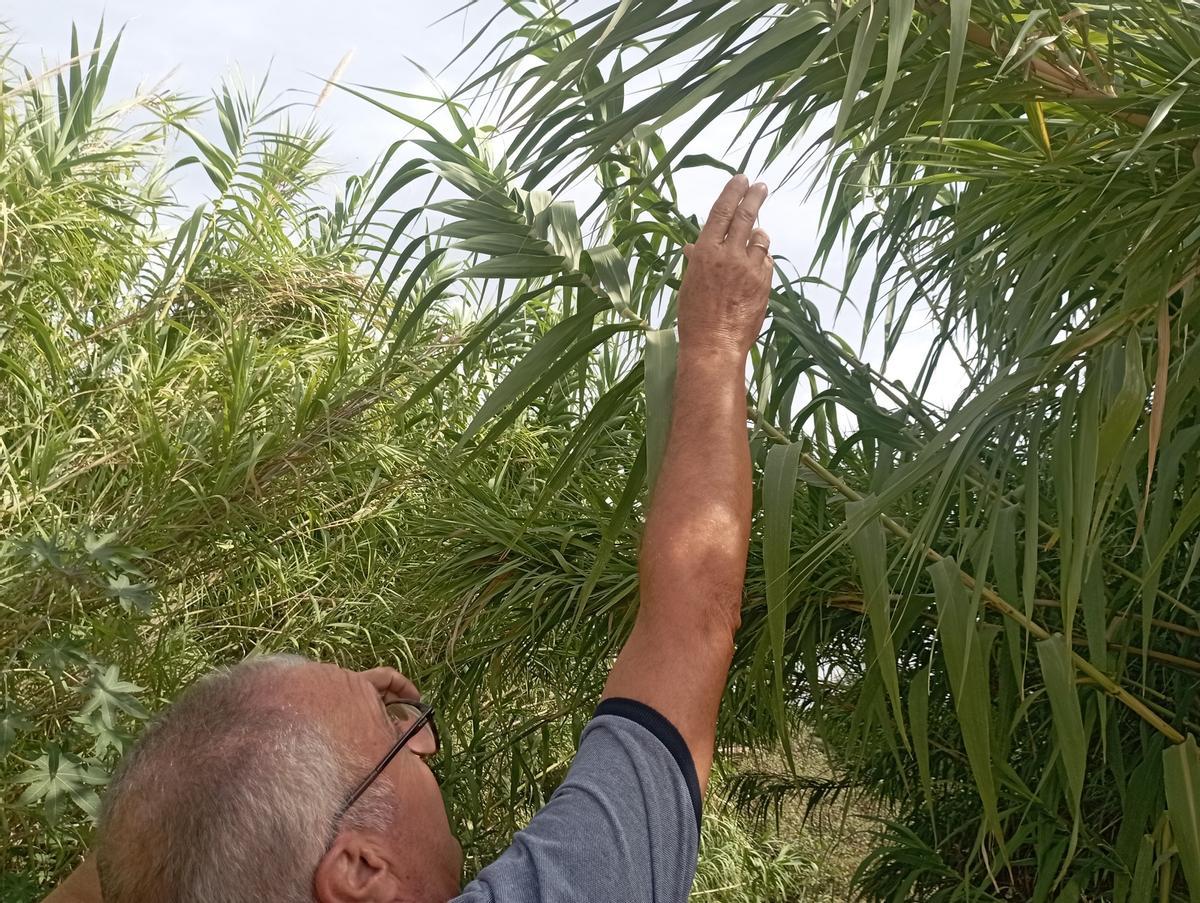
693, 558
698, 526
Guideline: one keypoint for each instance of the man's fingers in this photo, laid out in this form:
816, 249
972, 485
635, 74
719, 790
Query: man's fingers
391, 684
759, 244
721, 216
746, 215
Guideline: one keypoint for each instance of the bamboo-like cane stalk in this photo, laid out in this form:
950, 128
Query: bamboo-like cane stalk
990, 596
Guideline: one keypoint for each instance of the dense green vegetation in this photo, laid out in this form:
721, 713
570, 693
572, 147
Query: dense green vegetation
1012, 662
380, 429
223, 436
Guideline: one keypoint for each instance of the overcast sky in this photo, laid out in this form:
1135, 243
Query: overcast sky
196, 44
299, 42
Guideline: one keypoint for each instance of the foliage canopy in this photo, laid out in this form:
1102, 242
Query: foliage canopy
225, 434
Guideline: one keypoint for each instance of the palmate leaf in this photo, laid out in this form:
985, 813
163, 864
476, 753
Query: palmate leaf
131, 596
107, 694
11, 725
47, 551
56, 779
108, 739
58, 655
105, 549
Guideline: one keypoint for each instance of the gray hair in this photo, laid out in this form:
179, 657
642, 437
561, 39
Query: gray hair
224, 799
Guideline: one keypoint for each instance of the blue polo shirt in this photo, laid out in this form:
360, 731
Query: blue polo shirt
624, 827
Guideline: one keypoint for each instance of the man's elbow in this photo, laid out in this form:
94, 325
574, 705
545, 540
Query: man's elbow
696, 601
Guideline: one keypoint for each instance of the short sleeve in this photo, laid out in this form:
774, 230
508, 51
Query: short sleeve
624, 825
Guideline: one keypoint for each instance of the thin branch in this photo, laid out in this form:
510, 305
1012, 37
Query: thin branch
857, 605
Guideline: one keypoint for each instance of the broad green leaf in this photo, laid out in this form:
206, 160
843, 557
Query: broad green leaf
508, 246
968, 673
613, 272
1126, 408
1031, 512
1142, 804
1142, 890
1058, 672
567, 239
918, 716
1008, 582
779, 498
1181, 781
870, 552
1095, 614
661, 349
1084, 474
516, 266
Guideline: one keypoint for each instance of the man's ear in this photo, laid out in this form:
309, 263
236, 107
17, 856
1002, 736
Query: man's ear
353, 870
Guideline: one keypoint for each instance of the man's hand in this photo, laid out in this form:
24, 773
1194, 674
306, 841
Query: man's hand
392, 685
723, 298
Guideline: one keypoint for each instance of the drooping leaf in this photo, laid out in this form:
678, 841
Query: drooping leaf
779, 493
870, 552
661, 348
548, 350
968, 673
1181, 781
1059, 674
918, 715
107, 694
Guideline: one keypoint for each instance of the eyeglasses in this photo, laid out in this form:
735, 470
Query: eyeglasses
415, 727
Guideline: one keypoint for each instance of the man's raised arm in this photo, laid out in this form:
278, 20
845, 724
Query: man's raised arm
693, 559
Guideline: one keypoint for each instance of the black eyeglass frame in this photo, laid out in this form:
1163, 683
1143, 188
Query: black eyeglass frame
425, 718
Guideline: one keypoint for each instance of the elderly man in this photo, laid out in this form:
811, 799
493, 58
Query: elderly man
286, 780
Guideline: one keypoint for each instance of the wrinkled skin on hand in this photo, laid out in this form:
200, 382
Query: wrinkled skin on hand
723, 299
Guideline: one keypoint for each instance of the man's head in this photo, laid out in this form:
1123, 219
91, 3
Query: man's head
234, 795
